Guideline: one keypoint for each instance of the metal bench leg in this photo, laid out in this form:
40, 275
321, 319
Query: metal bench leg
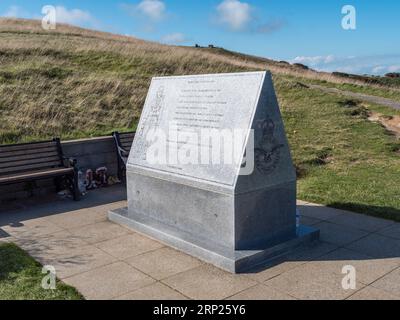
75, 186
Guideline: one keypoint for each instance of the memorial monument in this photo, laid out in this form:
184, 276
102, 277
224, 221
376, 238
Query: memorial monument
233, 205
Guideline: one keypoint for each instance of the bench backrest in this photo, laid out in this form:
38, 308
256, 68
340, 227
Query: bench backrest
125, 140
19, 158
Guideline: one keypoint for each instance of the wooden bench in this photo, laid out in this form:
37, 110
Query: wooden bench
123, 144
35, 161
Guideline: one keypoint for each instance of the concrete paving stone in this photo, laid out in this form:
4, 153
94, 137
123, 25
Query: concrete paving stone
317, 211
362, 222
294, 259
392, 231
105, 208
308, 221
209, 283
389, 283
339, 235
322, 273
164, 263
261, 292
87, 250
129, 245
377, 246
30, 228
52, 245
302, 285
109, 282
99, 232
367, 268
6, 239
156, 291
371, 293
73, 262
77, 218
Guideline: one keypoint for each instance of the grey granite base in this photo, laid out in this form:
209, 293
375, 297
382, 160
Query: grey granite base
234, 262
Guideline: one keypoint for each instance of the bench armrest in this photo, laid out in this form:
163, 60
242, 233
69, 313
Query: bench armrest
123, 154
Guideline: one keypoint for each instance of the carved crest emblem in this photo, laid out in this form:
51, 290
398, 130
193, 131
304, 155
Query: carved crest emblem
267, 154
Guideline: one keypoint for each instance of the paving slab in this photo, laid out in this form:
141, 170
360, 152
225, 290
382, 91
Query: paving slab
367, 269
339, 235
209, 283
392, 232
77, 218
361, 222
318, 211
51, 246
308, 221
268, 271
129, 245
305, 286
80, 260
156, 291
109, 282
99, 232
30, 228
164, 263
389, 283
371, 293
377, 246
7, 239
261, 292
106, 261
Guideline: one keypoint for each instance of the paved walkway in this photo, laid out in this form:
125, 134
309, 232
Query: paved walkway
106, 261
360, 96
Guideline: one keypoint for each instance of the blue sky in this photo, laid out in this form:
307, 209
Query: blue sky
308, 31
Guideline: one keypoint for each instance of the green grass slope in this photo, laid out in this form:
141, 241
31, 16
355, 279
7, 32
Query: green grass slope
21, 278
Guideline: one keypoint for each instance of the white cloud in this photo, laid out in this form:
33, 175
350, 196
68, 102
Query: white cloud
73, 16
314, 60
386, 69
240, 16
63, 15
174, 38
15, 12
155, 10
234, 14
375, 65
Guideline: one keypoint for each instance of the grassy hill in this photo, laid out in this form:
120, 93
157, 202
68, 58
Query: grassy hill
75, 83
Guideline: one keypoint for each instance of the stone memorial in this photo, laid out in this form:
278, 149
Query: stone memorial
210, 171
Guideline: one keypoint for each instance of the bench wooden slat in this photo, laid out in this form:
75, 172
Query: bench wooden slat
32, 146
29, 156
20, 163
34, 175
34, 161
126, 144
44, 165
130, 137
32, 152
127, 135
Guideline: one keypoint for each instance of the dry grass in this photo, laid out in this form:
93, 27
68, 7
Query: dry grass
75, 82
